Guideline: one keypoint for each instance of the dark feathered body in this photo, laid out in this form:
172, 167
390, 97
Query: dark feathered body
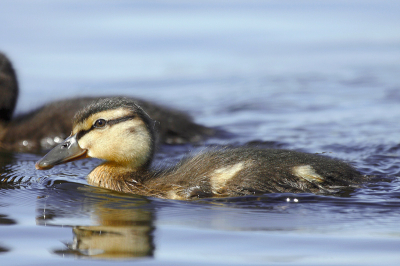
234, 172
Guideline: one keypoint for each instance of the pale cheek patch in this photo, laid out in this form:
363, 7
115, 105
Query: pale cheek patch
84, 142
307, 172
119, 143
221, 176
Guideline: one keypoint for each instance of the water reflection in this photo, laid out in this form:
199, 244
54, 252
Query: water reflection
109, 226
4, 220
3, 249
128, 236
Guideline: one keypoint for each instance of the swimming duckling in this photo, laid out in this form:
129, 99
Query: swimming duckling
47, 126
121, 133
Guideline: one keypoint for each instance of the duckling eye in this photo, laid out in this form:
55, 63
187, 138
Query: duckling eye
100, 123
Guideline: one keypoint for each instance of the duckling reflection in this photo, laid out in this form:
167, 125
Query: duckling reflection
47, 126
119, 132
5, 221
117, 232
124, 237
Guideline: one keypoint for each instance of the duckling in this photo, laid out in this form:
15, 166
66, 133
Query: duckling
121, 133
48, 125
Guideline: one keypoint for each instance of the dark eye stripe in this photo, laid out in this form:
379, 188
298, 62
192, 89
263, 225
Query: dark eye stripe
109, 122
119, 120
82, 133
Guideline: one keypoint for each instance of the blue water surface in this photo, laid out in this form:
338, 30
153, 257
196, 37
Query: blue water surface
315, 76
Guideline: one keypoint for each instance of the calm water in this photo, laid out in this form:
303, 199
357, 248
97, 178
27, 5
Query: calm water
320, 78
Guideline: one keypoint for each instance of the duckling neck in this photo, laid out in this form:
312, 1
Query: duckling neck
118, 177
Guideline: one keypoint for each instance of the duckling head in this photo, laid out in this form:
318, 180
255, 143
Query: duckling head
113, 129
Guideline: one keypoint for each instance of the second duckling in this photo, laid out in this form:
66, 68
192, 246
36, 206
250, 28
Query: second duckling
48, 125
121, 133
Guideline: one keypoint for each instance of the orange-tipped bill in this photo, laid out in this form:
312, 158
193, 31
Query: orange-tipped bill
64, 152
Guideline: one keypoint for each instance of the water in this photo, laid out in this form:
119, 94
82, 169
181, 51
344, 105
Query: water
304, 75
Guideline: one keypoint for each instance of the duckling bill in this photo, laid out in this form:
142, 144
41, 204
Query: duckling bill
119, 132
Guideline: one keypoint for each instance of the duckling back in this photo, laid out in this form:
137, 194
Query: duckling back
249, 171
